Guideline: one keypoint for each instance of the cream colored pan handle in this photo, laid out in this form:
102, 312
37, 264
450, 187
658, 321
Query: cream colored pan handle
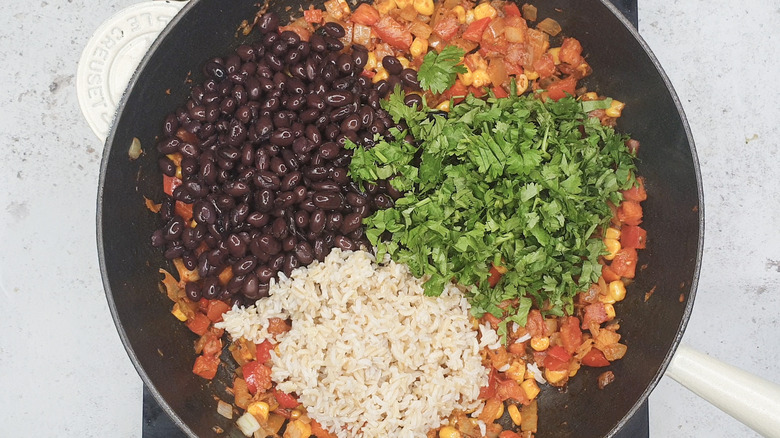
748, 398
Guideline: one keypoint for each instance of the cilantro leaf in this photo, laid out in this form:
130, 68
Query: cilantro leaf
439, 70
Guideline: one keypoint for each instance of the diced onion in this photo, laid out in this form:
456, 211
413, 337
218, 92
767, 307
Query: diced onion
225, 409
549, 26
523, 338
534, 369
135, 149
248, 424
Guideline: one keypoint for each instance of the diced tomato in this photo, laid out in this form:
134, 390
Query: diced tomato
508, 433
608, 274
511, 10
206, 366
216, 309
545, 66
264, 351
368, 73
500, 92
303, 33
517, 348
571, 335
630, 213
489, 391
535, 323
477, 92
212, 344
624, 263
285, 400
313, 15
257, 376
184, 210
447, 27
510, 389
595, 358
492, 320
317, 429
557, 358
365, 14
559, 89
571, 52
277, 326
457, 92
495, 276
199, 324
595, 313
632, 236
636, 193
475, 30
393, 33
170, 183
203, 305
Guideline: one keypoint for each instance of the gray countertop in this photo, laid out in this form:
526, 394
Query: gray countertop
63, 368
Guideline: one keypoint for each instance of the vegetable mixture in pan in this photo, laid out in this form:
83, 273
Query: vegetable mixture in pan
408, 216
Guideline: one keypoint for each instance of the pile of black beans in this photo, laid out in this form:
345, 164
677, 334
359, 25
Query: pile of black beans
263, 162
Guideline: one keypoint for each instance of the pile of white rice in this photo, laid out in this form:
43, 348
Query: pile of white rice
368, 354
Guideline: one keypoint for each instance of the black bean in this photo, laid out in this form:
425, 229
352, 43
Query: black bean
326, 186
169, 146
351, 222
301, 219
304, 252
301, 192
329, 150
166, 166
278, 167
244, 265
290, 180
267, 180
334, 29
288, 243
335, 220
268, 244
282, 137
158, 238
317, 221
268, 23
409, 78
290, 263
359, 58
284, 199
295, 102
338, 98
258, 219
383, 88
214, 70
392, 65
238, 215
264, 200
351, 123
333, 44
210, 288
382, 201
327, 200
413, 100
236, 247
345, 63
193, 291
317, 43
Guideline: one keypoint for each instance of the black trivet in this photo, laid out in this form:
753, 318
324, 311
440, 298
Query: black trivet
157, 424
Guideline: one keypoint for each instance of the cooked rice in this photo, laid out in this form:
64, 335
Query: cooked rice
368, 354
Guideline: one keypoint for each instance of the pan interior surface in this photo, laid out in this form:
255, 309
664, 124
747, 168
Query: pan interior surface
162, 348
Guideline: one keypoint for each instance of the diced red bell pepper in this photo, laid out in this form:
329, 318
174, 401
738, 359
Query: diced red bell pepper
545, 66
489, 391
630, 213
535, 323
199, 324
608, 274
447, 27
215, 310
495, 276
457, 92
595, 358
285, 400
636, 193
263, 351
313, 15
594, 313
632, 236
475, 30
206, 366
477, 92
510, 389
257, 376
500, 92
183, 209
571, 335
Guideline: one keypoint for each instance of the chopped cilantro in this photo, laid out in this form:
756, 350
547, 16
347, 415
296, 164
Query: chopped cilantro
439, 70
509, 181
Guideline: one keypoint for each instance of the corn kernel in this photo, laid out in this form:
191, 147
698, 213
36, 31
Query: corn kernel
403, 3
532, 75
419, 47
606, 299
590, 95
178, 172
609, 309
404, 62
500, 412
371, 61
466, 78
612, 233
613, 246
381, 75
295, 414
555, 376
444, 106
259, 410
530, 388
514, 414
484, 10
424, 7
617, 290
481, 78
449, 432
540, 343
555, 53
178, 313
460, 13
615, 109
521, 81
469, 16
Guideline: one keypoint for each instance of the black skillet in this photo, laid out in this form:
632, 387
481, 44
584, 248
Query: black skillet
161, 347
